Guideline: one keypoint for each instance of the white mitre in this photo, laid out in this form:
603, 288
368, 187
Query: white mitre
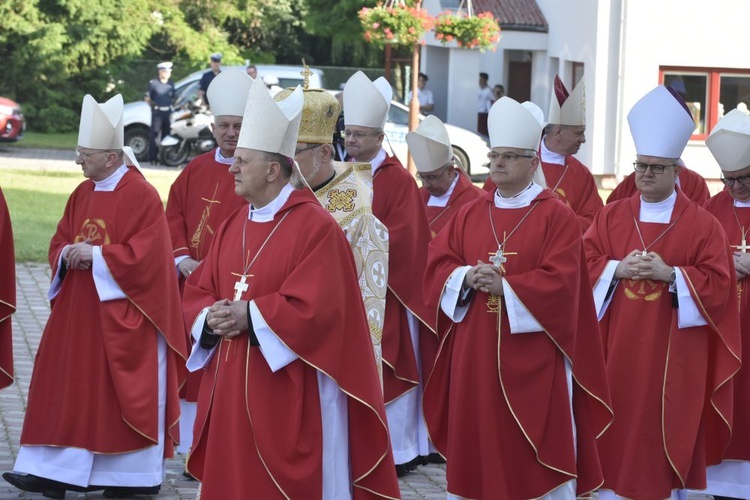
512, 125
572, 109
228, 91
268, 125
366, 103
101, 125
729, 141
430, 145
661, 124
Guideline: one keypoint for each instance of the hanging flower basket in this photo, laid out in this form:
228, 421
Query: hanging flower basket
471, 32
394, 25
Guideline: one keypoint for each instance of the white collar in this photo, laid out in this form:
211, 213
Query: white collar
742, 204
441, 201
522, 199
378, 160
550, 157
110, 183
267, 213
219, 158
660, 211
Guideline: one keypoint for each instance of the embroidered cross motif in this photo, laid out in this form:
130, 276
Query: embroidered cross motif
341, 200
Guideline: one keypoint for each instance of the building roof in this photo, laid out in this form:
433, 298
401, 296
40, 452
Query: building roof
514, 15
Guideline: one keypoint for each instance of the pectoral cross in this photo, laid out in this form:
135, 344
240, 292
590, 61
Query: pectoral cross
499, 258
241, 286
743, 247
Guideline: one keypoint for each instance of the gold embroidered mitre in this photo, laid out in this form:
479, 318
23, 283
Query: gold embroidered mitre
319, 115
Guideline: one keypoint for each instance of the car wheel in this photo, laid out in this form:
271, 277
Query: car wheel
174, 156
138, 139
463, 159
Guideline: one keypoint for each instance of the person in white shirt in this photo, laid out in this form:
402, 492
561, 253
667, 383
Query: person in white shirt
424, 95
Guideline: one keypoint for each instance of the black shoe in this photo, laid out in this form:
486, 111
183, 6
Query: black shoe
130, 491
404, 469
189, 476
434, 458
47, 487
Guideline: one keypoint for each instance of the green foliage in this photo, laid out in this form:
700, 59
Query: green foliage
334, 23
52, 52
55, 118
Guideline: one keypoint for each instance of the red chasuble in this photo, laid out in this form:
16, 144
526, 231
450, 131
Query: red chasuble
463, 193
96, 367
258, 433
7, 294
397, 204
671, 388
497, 404
721, 206
200, 199
572, 184
691, 183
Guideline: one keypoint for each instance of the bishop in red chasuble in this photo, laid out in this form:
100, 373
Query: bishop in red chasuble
666, 297
729, 142
103, 400
517, 396
290, 404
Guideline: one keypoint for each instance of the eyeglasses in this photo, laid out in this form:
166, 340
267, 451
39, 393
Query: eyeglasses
507, 157
656, 169
85, 156
729, 181
357, 135
298, 151
431, 178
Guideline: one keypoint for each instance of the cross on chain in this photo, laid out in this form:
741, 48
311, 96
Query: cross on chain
499, 258
241, 286
743, 247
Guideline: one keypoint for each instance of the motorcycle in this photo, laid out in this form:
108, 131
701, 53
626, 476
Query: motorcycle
190, 132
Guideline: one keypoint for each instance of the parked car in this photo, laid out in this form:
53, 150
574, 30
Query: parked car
12, 122
469, 147
137, 115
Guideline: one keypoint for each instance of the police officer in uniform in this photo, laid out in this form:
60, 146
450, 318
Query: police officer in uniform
159, 96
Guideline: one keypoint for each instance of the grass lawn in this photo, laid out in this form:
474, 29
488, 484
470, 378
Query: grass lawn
48, 141
36, 200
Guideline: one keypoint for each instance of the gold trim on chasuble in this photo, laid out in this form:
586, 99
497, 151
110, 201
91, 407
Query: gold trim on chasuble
348, 198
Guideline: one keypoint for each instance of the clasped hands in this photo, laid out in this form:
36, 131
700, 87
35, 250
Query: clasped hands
636, 266
741, 265
227, 318
485, 278
79, 255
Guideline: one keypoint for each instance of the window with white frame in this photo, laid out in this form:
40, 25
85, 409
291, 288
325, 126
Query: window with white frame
709, 93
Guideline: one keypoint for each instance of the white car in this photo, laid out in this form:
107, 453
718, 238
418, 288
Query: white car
469, 147
137, 115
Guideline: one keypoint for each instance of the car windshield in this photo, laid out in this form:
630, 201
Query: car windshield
186, 93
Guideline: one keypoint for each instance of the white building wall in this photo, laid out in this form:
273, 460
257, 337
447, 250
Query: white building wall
688, 33
622, 44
